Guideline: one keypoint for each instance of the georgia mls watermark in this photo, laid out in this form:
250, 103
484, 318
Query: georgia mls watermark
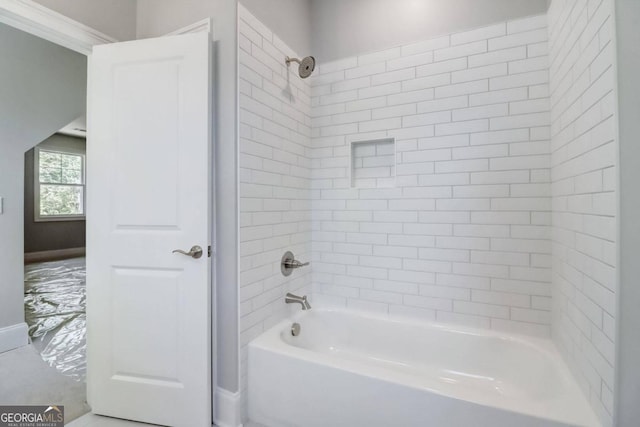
32, 416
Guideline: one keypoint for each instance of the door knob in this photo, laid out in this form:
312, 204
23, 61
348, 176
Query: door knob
194, 252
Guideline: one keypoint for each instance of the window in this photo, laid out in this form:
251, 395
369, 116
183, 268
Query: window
60, 185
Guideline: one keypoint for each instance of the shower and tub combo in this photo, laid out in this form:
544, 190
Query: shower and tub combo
455, 197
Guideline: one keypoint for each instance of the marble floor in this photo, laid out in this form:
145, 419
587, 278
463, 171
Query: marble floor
29, 380
92, 420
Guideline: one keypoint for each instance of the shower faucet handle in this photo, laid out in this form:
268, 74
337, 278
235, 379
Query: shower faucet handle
294, 263
289, 263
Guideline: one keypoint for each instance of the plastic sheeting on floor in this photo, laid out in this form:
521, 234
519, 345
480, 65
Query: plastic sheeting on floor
55, 301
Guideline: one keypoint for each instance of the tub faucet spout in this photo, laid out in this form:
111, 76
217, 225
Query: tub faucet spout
291, 298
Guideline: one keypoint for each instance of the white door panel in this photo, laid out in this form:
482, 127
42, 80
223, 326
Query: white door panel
148, 193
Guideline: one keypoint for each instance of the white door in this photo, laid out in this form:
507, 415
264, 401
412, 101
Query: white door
148, 193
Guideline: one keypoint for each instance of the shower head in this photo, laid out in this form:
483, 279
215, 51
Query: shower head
306, 65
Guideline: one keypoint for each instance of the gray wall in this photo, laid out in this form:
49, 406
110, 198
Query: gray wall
343, 28
628, 51
159, 17
43, 87
155, 18
49, 235
116, 18
291, 19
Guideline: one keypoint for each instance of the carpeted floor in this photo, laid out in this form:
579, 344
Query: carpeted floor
28, 380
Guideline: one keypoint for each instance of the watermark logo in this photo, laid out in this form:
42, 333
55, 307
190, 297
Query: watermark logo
32, 416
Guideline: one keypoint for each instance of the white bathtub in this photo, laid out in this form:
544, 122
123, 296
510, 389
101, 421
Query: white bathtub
350, 370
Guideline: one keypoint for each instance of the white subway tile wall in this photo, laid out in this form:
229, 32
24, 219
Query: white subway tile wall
463, 235
584, 185
275, 179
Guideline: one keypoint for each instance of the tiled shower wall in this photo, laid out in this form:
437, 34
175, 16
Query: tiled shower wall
275, 179
463, 234
458, 227
584, 182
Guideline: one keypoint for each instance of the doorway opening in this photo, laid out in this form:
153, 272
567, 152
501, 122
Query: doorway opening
54, 244
55, 267
42, 186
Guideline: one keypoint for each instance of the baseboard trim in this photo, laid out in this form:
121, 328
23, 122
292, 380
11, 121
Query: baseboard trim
32, 257
13, 336
228, 411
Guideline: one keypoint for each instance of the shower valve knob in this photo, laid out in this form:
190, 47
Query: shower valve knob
289, 263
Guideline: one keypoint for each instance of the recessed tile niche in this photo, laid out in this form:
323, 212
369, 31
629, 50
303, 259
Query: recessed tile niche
373, 164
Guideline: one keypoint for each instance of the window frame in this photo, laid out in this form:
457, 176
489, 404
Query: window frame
37, 216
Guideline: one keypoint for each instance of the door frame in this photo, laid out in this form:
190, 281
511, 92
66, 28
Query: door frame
49, 25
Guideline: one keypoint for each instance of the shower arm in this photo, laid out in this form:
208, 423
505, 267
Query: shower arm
290, 60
